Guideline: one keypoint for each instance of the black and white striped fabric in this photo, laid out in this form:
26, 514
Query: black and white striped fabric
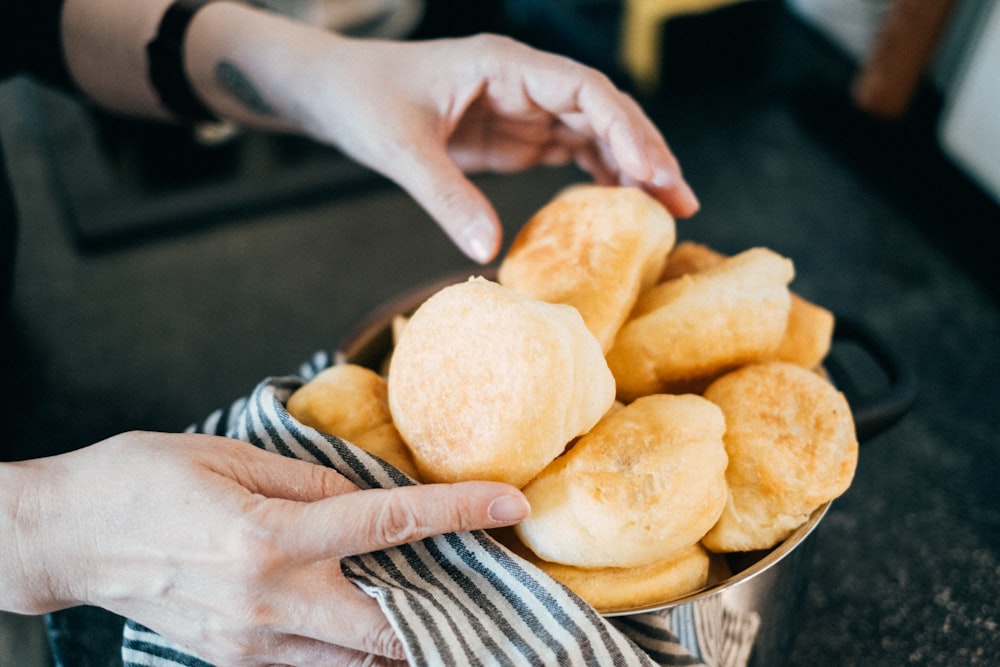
457, 599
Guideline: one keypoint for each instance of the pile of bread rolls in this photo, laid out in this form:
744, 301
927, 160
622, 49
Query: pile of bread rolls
658, 403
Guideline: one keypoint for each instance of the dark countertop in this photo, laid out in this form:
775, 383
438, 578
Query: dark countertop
906, 567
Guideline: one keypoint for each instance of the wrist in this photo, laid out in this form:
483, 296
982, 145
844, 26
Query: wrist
245, 64
165, 55
30, 581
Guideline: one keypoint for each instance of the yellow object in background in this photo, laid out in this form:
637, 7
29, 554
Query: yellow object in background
642, 30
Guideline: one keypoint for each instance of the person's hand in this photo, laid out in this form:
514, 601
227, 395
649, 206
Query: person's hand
228, 550
423, 113
420, 112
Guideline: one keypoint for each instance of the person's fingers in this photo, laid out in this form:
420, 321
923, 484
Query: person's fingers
591, 160
644, 159
273, 475
304, 652
678, 197
361, 522
292, 649
589, 103
413, 513
433, 179
375, 519
667, 184
354, 621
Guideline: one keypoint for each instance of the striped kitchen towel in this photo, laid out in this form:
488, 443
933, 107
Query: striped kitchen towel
456, 599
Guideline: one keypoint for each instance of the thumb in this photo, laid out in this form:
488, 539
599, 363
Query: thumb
464, 213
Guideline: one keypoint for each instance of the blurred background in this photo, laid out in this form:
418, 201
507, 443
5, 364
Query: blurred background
163, 272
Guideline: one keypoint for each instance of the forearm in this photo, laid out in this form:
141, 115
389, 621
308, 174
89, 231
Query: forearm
419, 112
104, 44
248, 64
235, 57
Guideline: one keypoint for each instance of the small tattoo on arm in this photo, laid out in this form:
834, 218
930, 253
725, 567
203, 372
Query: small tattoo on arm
234, 82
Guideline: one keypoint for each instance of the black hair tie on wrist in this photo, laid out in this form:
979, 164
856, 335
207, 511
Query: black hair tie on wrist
166, 63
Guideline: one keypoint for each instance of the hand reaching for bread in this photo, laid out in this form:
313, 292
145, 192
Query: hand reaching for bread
658, 404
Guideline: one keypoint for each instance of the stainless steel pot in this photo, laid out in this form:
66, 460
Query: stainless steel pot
770, 584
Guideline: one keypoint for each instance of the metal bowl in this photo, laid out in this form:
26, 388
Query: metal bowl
771, 583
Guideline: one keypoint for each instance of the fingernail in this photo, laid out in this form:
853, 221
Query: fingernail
478, 239
666, 179
508, 509
692, 198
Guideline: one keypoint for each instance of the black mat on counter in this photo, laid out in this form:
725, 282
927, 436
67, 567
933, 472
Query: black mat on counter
126, 180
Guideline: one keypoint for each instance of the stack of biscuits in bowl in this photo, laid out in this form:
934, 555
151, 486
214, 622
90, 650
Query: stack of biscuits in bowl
660, 404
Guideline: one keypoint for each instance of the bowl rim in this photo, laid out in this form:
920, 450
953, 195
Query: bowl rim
765, 562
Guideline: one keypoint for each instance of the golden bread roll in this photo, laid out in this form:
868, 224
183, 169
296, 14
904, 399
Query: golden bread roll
688, 330
351, 402
792, 447
386, 443
689, 257
594, 248
612, 589
487, 383
808, 336
809, 333
345, 400
647, 481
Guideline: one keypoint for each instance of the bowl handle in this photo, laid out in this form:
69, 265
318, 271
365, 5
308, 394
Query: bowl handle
879, 386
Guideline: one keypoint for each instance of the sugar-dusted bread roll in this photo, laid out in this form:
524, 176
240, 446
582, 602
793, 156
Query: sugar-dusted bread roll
646, 482
487, 383
593, 247
351, 402
613, 589
809, 332
686, 331
792, 447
